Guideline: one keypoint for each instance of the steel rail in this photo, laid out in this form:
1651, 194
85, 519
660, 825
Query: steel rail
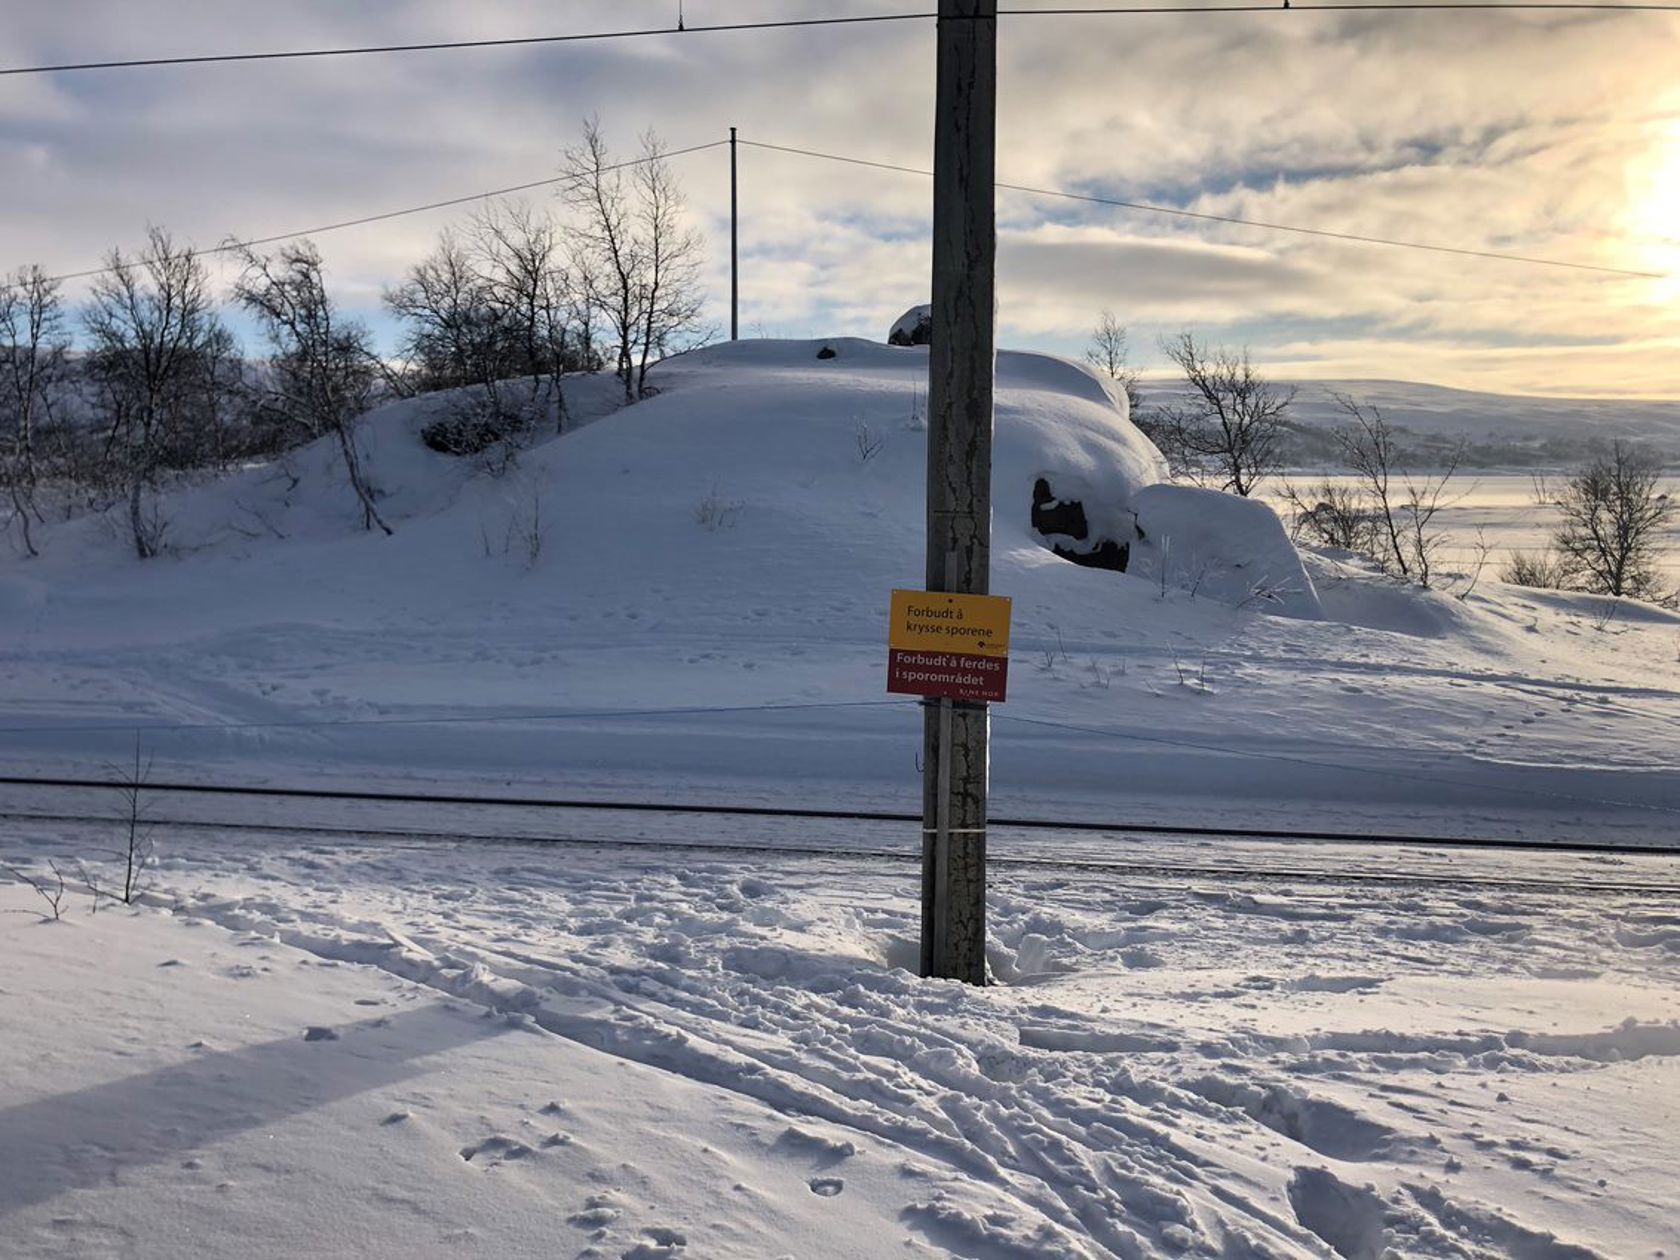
841, 815
1158, 870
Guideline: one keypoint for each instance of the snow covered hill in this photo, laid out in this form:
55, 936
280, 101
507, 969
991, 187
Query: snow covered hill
1438, 410
689, 595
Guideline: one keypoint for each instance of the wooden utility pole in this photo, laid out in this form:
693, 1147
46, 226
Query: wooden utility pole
734, 247
961, 367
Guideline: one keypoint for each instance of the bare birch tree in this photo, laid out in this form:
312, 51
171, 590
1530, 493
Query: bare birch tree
323, 371
633, 252
151, 323
1107, 352
33, 344
671, 251
1228, 431
607, 244
445, 306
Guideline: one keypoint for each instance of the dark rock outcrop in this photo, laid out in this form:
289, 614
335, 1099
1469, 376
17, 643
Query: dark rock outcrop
1065, 518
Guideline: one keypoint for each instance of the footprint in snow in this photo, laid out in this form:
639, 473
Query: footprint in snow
496, 1150
598, 1212
663, 1244
318, 1032
826, 1187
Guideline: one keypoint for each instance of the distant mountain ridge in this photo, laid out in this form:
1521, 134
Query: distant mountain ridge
1501, 430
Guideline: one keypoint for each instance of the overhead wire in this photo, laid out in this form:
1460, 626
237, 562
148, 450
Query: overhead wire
517, 41
1177, 212
1147, 207
234, 246
1381, 6
713, 28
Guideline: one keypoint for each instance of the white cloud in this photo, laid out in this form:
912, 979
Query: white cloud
1535, 134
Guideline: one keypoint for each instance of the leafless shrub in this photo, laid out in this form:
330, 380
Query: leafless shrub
1484, 552
1614, 517
1404, 537
138, 850
135, 853
53, 891
532, 531
1331, 514
715, 511
916, 421
1265, 591
1547, 569
1192, 681
523, 532
869, 442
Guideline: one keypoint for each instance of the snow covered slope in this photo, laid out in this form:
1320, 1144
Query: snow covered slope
729, 546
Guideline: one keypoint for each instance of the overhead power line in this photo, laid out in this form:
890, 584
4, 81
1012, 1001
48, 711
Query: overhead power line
234, 246
523, 41
520, 41
1382, 6
1176, 212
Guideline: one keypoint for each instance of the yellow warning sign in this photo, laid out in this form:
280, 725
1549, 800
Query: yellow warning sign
934, 621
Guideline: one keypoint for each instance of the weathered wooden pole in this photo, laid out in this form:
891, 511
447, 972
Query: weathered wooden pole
961, 368
734, 245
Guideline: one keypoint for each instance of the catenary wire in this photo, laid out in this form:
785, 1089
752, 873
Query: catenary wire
234, 246
1176, 212
297, 54
1399, 6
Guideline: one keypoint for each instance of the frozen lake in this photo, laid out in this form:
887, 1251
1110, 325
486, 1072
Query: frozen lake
1499, 504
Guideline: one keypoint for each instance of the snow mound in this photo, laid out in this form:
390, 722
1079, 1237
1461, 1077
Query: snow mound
1228, 548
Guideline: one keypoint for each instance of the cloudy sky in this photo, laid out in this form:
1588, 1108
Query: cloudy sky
1549, 135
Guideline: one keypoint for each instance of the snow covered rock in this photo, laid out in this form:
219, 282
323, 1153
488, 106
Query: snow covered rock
913, 328
1220, 546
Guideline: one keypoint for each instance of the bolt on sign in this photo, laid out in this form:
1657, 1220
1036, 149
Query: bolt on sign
952, 647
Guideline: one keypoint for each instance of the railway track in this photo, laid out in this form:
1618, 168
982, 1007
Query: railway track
832, 815
1332, 865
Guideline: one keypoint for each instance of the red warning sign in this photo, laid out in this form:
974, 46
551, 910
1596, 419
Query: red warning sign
947, 675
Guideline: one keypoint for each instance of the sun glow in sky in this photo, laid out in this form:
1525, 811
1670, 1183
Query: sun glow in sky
1654, 210
1554, 135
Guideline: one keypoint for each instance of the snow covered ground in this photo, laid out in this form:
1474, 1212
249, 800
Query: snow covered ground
400, 1047
689, 597
306, 1049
